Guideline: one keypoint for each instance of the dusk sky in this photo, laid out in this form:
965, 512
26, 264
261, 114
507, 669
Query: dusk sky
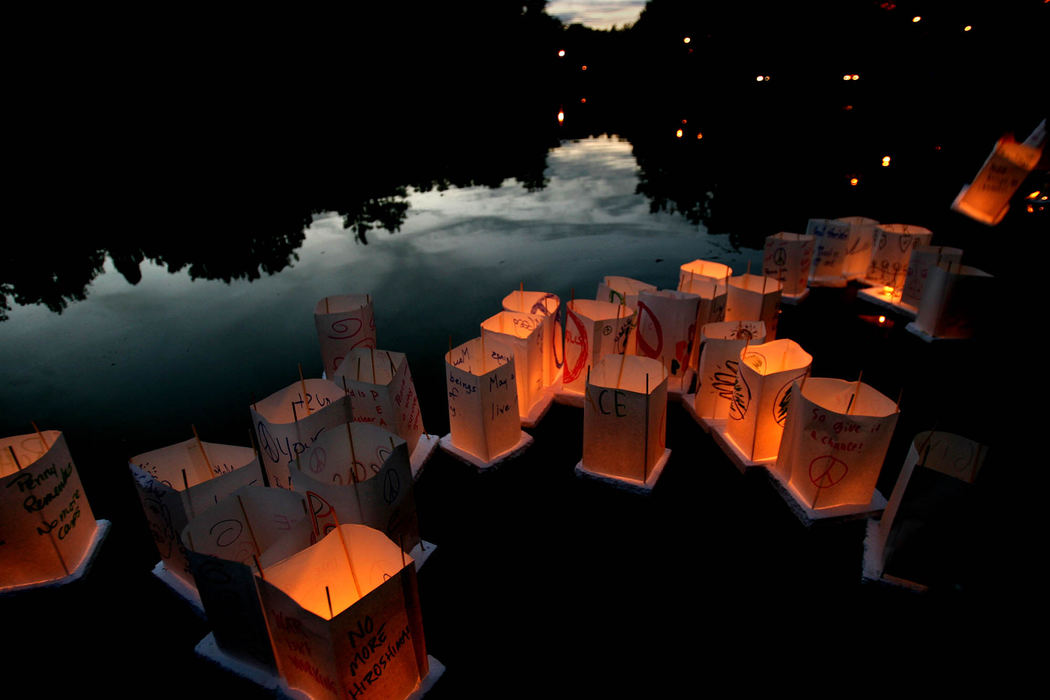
598, 14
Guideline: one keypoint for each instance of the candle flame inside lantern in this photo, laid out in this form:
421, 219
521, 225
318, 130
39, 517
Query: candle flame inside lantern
561, 116
916, 18
887, 290
882, 320
1035, 194
686, 40
854, 181
678, 133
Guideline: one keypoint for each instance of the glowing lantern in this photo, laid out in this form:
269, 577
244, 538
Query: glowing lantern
754, 298
719, 356
786, 258
343, 323
761, 397
834, 445
482, 406
360, 474
709, 281
624, 421
623, 290
286, 423
859, 245
666, 330
344, 617
952, 303
831, 244
922, 259
987, 198
254, 524
891, 251
592, 329
177, 482
381, 392
517, 335
48, 534
919, 523
547, 307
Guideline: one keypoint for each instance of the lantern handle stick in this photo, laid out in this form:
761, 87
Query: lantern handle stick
521, 295
856, 392
189, 498
302, 382
200, 446
259, 567
353, 469
372, 357
587, 389
358, 369
393, 370
40, 435
326, 305
248, 523
346, 550
645, 438
254, 407
623, 358
329, 596
12, 451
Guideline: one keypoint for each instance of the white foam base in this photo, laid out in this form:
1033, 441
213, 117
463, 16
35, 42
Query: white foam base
421, 552
794, 298
915, 330
523, 443
871, 568
878, 297
626, 482
808, 515
837, 281
719, 431
539, 408
270, 680
568, 397
78, 572
179, 587
425, 447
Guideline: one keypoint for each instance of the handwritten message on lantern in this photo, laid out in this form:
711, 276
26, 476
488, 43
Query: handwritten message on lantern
987, 198
719, 357
891, 251
858, 248
592, 329
787, 258
381, 392
713, 293
482, 400
666, 329
343, 323
831, 245
547, 307
922, 260
519, 336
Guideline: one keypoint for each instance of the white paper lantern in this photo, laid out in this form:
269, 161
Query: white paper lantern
954, 301
548, 307
592, 329
859, 247
891, 251
343, 323
922, 259
518, 335
713, 290
754, 298
787, 258
987, 198
719, 357
665, 330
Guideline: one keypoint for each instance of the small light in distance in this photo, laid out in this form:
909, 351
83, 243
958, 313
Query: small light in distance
561, 116
854, 181
885, 161
686, 40
678, 133
561, 53
1035, 194
583, 67
882, 320
968, 27
916, 19
699, 135
847, 77
854, 77
583, 100
759, 78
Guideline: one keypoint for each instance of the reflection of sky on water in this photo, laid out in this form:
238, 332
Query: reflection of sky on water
597, 14
174, 349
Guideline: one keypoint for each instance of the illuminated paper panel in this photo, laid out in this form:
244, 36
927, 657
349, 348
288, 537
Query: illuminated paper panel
754, 298
666, 330
509, 334
891, 251
381, 392
343, 323
548, 307
719, 357
858, 249
592, 329
831, 244
482, 401
786, 258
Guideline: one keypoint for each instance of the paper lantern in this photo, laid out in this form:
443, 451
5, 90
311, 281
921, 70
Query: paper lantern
892, 248
665, 331
344, 617
830, 248
224, 542
987, 198
920, 526
859, 246
713, 290
176, 482
548, 307
360, 474
922, 259
953, 302
622, 290
754, 298
48, 533
518, 335
343, 323
719, 357
761, 396
787, 258
286, 423
592, 329
484, 426
382, 393
624, 420
690, 271
834, 445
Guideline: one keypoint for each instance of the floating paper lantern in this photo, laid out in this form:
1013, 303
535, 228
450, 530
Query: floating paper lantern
622, 290
709, 281
719, 357
547, 306
987, 198
592, 329
624, 420
831, 245
359, 475
343, 323
47, 530
382, 393
761, 396
835, 443
891, 252
754, 298
176, 482
253, 525
518, 335
665, 331
344, 617
953, 302
482, 406
859, 246
288, 421
922, 259
787, 258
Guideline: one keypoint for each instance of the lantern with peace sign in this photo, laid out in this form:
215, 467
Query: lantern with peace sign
593, 329
787, 258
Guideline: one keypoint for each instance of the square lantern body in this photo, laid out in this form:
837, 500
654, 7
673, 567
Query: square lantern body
719, 357
177, 482
754, 298
593, 329
625, 417
762, 394
345, 619
482, 401
891, 252
987, 198
517, 335
343, 323
954, 301
665, 330
922, 260
286, 423
787, 258
548, 307
359, 474
710, 281
624, 290
254, 523
858, 250
381, 392
831, 245
835, 442
46, 524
